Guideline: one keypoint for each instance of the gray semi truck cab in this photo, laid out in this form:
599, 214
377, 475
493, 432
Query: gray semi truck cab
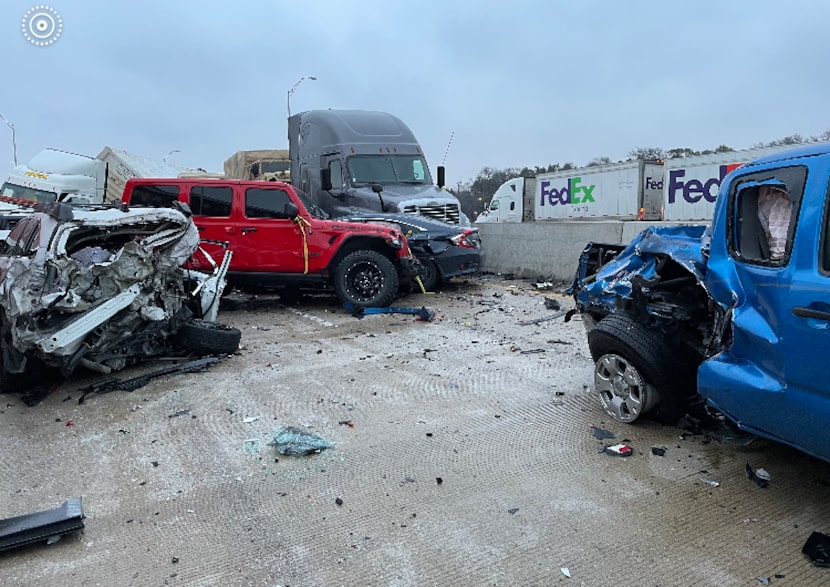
349, 161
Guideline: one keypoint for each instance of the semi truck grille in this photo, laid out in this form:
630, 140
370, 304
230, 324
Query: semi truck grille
444, 212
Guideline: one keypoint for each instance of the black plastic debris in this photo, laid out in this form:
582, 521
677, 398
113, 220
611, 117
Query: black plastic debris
512, 510
142, 380
552, 304
658, 451
298, 442
600, 433
543, 318
758, 480
45, 526
817, 549
178, 413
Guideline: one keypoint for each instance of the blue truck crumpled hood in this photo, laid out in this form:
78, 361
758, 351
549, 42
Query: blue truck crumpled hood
686, 245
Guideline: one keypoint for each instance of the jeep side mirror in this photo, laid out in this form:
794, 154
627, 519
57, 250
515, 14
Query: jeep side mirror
441, 176
325, 179
290, 210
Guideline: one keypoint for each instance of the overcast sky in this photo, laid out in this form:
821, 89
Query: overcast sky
517, 82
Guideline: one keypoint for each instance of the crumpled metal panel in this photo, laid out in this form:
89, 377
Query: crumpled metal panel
40, 294
686, 245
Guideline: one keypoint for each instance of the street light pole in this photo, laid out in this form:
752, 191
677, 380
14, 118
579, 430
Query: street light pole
291, 91
14, 138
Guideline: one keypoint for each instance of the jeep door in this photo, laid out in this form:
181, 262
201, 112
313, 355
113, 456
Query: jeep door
212, 206
773, 380
267, 239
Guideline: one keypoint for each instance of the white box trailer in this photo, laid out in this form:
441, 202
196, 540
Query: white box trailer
122, 165
632, 190
692, 183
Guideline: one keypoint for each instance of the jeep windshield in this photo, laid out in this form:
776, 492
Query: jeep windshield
11, 190
366, 170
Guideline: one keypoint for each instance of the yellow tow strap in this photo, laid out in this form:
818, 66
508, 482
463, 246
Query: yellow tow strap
302, 224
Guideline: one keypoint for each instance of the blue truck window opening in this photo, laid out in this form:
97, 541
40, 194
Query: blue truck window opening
824, 245
763, 210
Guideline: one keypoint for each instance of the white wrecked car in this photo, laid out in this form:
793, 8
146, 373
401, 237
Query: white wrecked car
102, 287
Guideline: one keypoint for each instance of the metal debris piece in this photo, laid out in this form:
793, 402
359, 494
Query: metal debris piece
250, 419
817, 548
759, 481
762, 474
709, 482
358, 312
293, 441
512, 510
600, 433
763, 580
142, 380
179, 413
45, 526
543, 319
566, 571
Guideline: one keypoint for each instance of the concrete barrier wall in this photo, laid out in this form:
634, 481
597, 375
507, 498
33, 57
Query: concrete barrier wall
550, 250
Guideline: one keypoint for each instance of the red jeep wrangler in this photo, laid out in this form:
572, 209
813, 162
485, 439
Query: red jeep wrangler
280, 240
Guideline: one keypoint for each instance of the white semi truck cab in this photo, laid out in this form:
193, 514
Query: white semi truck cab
54, 175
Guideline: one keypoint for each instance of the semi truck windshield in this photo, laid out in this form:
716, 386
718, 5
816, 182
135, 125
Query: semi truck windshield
392, 169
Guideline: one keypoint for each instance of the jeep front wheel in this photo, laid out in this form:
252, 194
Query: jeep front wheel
366, 278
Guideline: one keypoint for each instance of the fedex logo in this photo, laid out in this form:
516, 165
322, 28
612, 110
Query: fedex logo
694, 190
573, 193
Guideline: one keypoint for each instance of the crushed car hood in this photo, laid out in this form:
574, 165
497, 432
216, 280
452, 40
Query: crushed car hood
638, 265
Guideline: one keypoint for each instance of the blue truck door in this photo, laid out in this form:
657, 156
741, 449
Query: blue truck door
781, 325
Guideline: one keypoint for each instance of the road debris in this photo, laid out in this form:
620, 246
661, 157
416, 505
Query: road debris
136, 382
293, 441
250, 419
817, 548
512, 510
658, 451
758, 479
359, 312
46, 526
619, 450
600, 433
566, 571
542, 319
709, 482
543, 285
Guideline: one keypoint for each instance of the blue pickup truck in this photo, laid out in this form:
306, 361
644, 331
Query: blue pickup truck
734, 316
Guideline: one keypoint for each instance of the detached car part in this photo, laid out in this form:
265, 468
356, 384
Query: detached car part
42, 526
